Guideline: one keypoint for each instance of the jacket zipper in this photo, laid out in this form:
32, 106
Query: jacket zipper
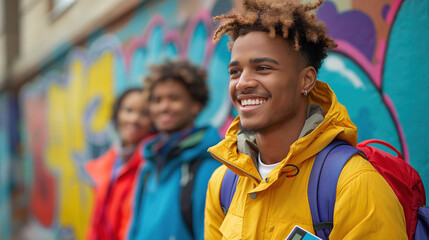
227, 163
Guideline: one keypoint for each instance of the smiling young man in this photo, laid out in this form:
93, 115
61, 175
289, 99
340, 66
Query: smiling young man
171, 195
286, 117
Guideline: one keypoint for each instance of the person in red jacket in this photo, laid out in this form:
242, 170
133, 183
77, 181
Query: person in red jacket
114, 172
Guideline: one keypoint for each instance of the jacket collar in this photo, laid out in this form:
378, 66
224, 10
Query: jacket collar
238, 152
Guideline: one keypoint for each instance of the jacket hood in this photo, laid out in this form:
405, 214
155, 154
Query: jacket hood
336, 124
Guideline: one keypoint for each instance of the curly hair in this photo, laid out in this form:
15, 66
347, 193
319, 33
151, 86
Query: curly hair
292, 21
191, 76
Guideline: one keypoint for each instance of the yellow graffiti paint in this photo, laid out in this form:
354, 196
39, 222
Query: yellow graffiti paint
100, 84
66, 107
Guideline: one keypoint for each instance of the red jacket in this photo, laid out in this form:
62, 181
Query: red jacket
113, 196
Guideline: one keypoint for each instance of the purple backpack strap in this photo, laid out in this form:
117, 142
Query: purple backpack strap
322, 185
422, 228
227, 190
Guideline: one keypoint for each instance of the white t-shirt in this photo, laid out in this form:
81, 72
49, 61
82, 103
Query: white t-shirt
265, 169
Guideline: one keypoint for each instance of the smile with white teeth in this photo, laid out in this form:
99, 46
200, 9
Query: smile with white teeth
252, 102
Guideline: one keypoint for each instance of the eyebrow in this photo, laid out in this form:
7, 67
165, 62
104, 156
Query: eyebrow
255, 60
263, 59
233, 63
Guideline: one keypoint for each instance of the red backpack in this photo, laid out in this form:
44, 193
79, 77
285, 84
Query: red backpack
402, 178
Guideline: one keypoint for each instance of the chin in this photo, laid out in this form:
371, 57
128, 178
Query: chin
167, 129
249, 128
163, 127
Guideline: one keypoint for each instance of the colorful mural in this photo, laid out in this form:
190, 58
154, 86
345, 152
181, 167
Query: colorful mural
378, 61
67, 108
5, 157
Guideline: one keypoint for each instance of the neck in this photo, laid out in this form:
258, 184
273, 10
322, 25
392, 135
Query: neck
126, 151
274, 143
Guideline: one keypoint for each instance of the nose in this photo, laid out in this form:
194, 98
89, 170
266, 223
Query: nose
246, 81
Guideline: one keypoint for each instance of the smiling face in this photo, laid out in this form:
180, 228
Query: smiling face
133, 122
171, 106
266, 82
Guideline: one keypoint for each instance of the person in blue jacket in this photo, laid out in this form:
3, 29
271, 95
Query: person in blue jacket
170, 198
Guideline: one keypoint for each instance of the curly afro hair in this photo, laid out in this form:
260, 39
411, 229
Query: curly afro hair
191, 76
293, 21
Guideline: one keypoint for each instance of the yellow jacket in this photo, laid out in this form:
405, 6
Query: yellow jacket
366, 207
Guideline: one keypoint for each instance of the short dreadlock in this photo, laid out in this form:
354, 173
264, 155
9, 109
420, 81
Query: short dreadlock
191, 76
293, 21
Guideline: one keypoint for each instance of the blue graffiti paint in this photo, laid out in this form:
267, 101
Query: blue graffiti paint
5, 214
406, 79
154, 52
219, 105
221, 7
197, 45
170, 50
137, 68
121, 78
143, 15
155, 47
364, 103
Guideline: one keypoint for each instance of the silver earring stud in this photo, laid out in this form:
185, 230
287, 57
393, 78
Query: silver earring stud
305, 93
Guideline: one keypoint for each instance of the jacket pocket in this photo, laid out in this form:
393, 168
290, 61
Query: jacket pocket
231, 227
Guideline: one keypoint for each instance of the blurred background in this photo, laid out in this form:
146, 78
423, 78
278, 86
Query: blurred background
62, 63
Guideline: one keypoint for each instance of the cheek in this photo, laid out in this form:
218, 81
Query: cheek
152, 109
232, 89
121, 120
181, 106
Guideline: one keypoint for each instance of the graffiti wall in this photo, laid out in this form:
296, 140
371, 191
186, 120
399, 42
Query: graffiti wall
4, 173
11, 176
379, 71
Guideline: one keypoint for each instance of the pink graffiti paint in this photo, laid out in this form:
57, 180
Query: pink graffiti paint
401, 133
